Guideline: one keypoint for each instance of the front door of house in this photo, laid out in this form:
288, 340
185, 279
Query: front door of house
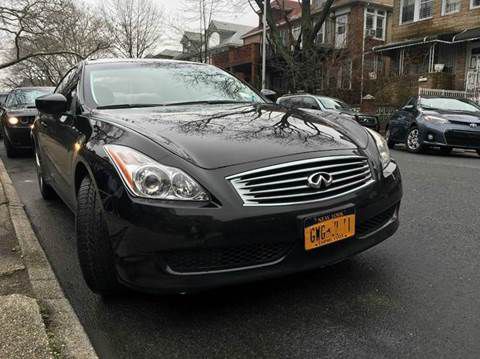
473, 69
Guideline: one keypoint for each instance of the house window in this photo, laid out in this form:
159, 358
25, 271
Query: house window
450, 6
341, 27
344, 81
320, 39
375, 24
415, 10
474, 4
318, 3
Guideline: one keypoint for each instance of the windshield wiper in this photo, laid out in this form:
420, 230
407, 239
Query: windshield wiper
206, 102
128, 105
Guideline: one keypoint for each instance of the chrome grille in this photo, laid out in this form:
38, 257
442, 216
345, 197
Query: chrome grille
286, 183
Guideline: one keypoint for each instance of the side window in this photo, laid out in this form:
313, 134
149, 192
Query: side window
11, 100
64, 82
410, 102
68, 88
309, 102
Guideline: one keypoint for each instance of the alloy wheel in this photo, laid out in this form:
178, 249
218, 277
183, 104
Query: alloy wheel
413, 142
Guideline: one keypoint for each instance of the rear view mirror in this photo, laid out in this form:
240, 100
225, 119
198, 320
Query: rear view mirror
270, 94
54, 104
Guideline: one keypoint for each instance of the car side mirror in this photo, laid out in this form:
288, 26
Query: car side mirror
408, 107
54, 104
270, 94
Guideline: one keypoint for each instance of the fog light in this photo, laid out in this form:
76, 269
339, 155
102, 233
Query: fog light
13, 121
430, 137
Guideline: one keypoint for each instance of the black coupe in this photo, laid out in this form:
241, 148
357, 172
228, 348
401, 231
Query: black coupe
17, 116
182, 178
442, 122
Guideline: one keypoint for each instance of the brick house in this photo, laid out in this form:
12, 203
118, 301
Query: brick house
221, 37
436, 42
352, 29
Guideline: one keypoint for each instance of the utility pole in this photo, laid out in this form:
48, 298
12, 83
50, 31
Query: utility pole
264, 46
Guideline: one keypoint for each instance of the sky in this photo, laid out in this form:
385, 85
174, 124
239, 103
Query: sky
174, 9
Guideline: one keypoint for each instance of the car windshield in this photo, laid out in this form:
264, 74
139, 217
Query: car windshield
111, 85
26, 98
448, 104
333, 104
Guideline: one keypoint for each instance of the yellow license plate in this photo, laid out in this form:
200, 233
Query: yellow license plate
328, 229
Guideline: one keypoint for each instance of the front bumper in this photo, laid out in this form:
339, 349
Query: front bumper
185, 249
19, 137
451, 135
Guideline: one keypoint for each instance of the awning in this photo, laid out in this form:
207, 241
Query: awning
442, 38
467, 35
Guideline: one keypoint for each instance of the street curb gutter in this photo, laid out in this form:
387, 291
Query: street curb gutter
63, 323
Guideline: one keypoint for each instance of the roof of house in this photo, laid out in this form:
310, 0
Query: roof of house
167, 53
192, 36
236, 31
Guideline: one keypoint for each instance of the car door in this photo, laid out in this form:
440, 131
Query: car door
45, 143
65, 139
401, 120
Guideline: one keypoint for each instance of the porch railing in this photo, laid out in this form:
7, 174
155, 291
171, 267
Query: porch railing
470, 95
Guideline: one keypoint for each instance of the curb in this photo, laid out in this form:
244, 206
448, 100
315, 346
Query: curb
62, 322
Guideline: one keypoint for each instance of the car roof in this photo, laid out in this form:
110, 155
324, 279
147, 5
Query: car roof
122, 60
33, 88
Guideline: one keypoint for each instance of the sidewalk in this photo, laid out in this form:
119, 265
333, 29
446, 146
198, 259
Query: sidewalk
36, 320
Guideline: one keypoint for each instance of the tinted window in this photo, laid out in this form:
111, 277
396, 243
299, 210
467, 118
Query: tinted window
62, 86
162, 83
449, 104
3, 98
309, 102
333, 104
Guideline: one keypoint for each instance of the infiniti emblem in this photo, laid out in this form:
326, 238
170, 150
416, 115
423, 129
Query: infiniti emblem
320, 180
473, 125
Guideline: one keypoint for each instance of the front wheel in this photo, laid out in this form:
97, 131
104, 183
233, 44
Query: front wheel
12, 152
413, 141
48, 193
95, 251
388, 138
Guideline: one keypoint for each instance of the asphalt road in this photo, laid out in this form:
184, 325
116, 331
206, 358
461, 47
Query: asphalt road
415, 295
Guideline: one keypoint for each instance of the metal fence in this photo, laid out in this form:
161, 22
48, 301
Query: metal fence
449, 93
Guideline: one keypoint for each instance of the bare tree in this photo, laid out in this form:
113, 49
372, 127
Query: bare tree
203, 12
49, 46
24, 24
135, 26
299, 54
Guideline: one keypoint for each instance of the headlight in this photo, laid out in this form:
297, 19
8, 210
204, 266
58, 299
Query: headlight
382, 147
147, 178
13, 121
435, 119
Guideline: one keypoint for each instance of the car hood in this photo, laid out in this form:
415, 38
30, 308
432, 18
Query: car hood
213, 136
457, 117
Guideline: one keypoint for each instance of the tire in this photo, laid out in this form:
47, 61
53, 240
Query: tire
412, 141
95, 252
390, 143
47, 191
12, 152
446, 150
